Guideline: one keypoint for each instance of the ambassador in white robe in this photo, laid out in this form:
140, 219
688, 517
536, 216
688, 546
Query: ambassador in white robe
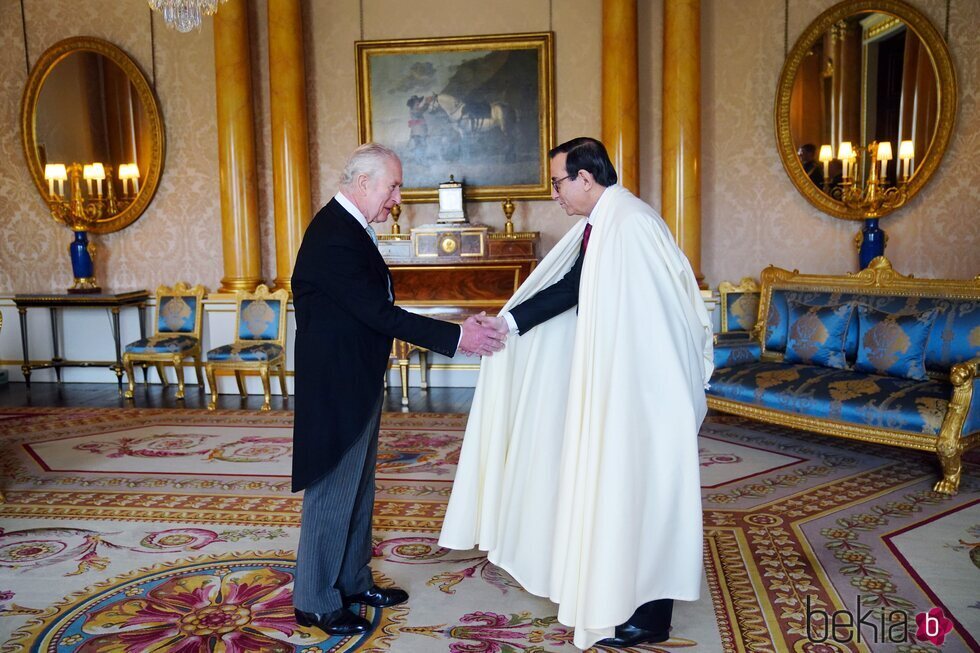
579, 470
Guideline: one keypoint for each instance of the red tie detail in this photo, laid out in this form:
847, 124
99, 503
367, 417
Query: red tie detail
585, 237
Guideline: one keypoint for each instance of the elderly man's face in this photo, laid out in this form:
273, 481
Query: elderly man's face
380, 192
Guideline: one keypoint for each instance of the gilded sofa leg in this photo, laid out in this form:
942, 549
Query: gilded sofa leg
128, 366
266, 389
948, 447
179, 371
949, 458
241, 384
214, 387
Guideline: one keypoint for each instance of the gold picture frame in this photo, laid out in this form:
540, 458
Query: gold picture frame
481, 108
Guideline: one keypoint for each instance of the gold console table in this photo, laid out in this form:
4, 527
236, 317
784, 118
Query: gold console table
114, 302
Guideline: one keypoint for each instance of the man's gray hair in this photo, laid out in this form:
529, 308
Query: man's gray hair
368, 159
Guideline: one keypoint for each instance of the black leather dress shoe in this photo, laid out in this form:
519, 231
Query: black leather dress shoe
379, 597
628, 635
339, 622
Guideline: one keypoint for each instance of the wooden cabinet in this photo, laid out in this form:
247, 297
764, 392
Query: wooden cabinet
453, 290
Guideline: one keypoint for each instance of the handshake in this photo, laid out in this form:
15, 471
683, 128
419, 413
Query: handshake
483, 335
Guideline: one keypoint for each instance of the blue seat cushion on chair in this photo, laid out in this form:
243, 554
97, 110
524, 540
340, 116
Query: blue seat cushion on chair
176, 314
852, 397
816, 333
259, 352
162, 343
894, 344
259, 319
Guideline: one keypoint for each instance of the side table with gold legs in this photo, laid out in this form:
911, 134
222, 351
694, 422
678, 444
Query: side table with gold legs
113, 302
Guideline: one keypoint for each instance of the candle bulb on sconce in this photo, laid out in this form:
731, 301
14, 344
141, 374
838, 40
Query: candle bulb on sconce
884, 155
846, 154
825, 157
56, 172
906, 152
98, 174
129, 172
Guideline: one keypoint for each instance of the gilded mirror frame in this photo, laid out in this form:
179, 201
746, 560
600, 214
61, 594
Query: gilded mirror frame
945, 77
42, 69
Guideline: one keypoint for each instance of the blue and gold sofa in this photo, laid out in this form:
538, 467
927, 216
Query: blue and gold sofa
873, 356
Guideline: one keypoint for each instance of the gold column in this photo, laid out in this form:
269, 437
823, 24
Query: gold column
681, 118
290, 139
236, 149
620, 95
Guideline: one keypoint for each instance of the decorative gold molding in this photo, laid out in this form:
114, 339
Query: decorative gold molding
946, 97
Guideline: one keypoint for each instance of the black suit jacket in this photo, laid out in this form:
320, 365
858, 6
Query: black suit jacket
556, 298
345, 324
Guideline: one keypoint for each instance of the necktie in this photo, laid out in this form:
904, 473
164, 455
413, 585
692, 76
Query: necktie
585, 237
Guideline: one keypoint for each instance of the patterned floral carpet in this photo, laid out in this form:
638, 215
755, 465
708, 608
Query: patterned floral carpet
165, 530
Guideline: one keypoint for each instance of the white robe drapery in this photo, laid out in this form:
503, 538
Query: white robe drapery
579, 469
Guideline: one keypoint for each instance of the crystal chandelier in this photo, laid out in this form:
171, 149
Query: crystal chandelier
185, 15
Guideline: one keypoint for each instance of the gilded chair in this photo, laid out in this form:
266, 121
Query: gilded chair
739, 309
260, 343
177, 336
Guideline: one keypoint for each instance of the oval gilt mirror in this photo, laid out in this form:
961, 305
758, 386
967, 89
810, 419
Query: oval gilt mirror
86, 103
864, 72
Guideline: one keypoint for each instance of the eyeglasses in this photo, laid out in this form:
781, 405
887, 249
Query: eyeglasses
556, 183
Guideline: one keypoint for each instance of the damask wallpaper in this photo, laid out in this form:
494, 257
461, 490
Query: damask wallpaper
751, 214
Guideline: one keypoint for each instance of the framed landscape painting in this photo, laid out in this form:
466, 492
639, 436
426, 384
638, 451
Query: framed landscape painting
480, 108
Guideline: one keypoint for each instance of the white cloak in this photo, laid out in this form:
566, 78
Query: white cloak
579, 469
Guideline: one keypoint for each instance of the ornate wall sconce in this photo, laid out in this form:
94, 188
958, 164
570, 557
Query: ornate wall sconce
865, 187
81, 210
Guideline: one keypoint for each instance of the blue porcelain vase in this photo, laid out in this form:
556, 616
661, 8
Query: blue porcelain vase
82, 267
872, 242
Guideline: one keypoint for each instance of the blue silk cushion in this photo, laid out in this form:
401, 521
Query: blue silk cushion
163, 343
176, 314
886, 402
816, 334
736, 352
259, 319
259, 352
893, 344
741, 310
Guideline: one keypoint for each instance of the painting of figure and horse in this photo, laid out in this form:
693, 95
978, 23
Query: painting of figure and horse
473, 110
